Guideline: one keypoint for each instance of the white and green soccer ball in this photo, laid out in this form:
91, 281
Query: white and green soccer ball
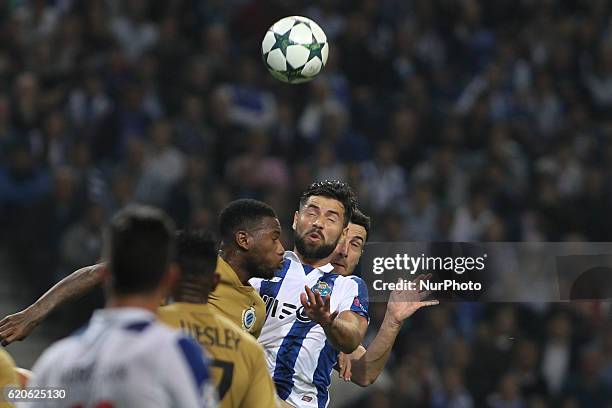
295, 49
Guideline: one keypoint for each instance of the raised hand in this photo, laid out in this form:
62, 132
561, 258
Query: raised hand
317, 307
404, 303
18, 326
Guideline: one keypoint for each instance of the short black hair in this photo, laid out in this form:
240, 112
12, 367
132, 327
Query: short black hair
140, 249
360, 218
242, 214
196, 252
338, 190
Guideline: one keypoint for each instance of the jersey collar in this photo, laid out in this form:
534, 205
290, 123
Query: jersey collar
227, 274
327, 268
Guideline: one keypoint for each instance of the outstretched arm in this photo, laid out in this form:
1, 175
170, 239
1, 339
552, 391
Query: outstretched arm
365, 365
343, 330
19, 325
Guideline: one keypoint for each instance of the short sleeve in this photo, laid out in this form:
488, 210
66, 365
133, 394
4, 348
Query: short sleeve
356, 298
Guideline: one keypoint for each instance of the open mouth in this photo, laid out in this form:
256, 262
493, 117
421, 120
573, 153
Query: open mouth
315, 237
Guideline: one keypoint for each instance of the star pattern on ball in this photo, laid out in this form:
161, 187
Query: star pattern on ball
292, 49
282, 42
298, 21
315, 51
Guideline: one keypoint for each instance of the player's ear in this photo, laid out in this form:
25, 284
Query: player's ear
295, 217
215, 281
242, 240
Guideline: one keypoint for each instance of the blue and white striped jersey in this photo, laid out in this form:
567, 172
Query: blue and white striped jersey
299, 357
125, 358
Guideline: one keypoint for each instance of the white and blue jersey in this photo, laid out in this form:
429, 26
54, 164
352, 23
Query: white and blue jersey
125, 358
299, 357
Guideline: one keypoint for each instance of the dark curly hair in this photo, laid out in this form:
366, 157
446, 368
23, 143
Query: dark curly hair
360, 218
196, 252
338, 190
240, 214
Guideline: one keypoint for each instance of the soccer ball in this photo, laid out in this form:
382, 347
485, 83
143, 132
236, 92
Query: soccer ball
295, 49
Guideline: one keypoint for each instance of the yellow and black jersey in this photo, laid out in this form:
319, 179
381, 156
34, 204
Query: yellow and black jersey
238, 363
239, 303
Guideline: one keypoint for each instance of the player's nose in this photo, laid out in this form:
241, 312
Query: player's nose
318, 222
280, 249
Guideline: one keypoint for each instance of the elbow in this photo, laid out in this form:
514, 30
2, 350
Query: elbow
364, 381
97, 274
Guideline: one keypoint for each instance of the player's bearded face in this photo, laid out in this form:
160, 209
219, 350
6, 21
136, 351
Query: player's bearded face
318, 227
310, 250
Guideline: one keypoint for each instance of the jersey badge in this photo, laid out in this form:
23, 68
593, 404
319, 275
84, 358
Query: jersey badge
322, 288
248, 318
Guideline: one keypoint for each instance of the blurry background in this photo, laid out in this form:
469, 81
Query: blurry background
453, 120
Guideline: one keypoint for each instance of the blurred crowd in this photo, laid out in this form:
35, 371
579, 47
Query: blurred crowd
453, 120
466, 355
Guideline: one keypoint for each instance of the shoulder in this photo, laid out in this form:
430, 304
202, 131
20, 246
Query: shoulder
193, 358
350, 282
166, 310
58, 351
245, 337
167, 315
186, 351
156, 335
66, 344
356, 279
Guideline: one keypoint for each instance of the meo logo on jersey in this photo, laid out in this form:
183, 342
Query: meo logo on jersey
248, 318
275, 308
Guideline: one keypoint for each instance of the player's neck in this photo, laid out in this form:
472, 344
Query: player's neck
148, 302
315, 263
196, 300
241, 272
237, 264
190, 296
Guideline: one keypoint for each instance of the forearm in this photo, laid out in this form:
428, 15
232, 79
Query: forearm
344, 336
72, 286
366, 369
